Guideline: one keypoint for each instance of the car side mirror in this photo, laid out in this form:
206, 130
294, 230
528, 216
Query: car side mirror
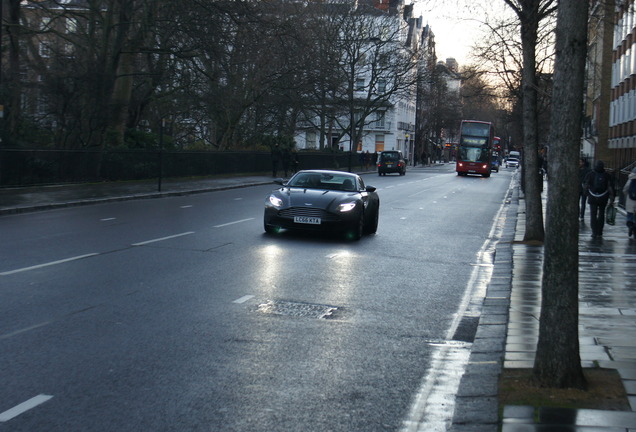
370, 189
279, 181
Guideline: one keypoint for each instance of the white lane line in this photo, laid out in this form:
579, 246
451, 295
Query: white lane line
232, 223
243, 299
17, 332
23, 407
162, 238
434, 405
107, 219
47, 264
186, 206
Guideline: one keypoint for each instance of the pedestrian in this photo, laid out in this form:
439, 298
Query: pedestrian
598, 185
629, 190
295, 161
584, 169
374, 159
286, 160
367, 160
276, 158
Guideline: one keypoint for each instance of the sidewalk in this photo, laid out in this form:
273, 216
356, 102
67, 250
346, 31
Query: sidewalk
508, 324
508, 329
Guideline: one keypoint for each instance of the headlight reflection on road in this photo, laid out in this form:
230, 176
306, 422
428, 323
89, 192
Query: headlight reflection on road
342, 269
269, 262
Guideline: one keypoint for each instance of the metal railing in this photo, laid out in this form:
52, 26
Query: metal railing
28, 167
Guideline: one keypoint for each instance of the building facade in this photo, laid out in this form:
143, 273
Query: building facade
392, 125
615, 25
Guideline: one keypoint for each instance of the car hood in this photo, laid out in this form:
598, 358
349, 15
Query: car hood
318, 198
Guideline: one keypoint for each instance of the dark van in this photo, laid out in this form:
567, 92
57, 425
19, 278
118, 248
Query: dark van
391, 161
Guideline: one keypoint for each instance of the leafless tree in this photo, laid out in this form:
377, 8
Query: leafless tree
530, 13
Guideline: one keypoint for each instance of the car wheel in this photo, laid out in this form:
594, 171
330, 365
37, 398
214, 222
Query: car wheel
270, 229
372, 226
358, 229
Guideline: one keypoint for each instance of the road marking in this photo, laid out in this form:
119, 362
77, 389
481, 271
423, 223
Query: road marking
23, 407
186, 206
162, 238
433, 407
17, 332
232, 223
47, 264
243, 299
107, 219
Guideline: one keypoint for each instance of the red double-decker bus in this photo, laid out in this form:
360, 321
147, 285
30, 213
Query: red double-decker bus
474, 152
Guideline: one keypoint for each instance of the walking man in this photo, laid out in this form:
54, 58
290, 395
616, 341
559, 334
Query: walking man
598, 184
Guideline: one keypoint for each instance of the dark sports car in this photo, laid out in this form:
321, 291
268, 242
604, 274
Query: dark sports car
323, 200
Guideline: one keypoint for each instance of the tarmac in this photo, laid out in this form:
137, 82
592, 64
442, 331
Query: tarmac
507, 331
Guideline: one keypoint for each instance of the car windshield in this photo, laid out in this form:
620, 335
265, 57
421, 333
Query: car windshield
312, 180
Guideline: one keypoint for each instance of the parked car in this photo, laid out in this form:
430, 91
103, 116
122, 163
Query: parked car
512, 162
391, 161
494, 165
324, 200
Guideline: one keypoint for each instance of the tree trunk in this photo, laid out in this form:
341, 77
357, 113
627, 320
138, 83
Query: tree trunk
557, 362
14, 87
530, 171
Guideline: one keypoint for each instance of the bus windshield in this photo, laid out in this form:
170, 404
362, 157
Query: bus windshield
473, 154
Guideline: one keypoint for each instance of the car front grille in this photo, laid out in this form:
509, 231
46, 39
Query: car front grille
309, 212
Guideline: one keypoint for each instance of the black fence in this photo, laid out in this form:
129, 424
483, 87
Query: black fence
19, 167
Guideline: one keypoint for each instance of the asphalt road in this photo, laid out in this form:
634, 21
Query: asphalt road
181, 314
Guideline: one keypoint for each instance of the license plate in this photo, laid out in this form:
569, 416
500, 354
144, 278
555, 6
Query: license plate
307, 220
389, 164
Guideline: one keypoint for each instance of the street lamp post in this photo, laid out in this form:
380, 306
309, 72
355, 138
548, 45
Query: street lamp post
352, 128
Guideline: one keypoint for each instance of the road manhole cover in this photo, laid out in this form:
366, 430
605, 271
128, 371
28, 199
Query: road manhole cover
298, 309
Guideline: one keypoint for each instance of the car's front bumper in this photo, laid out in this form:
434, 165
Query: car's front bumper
284, 218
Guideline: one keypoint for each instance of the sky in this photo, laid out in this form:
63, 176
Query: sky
456, 24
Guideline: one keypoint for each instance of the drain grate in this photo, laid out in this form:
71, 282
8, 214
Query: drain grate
298, 309
467, 329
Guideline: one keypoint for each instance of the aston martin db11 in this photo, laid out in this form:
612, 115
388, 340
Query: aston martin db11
333, 201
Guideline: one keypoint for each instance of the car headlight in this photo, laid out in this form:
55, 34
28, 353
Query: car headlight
345, 207
275, 201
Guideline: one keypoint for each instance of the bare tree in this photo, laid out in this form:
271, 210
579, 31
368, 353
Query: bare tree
557, 362
372, 48
530, 13
11, 88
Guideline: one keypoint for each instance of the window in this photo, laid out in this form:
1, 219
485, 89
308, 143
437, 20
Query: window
71, 25
379, 142
381, 86
310, 140
44, 23
359, 84
379, 119
45, 49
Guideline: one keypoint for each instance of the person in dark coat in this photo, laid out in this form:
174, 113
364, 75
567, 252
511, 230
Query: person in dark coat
276, 159
287, 158
598, 185
584, 169
630, 204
